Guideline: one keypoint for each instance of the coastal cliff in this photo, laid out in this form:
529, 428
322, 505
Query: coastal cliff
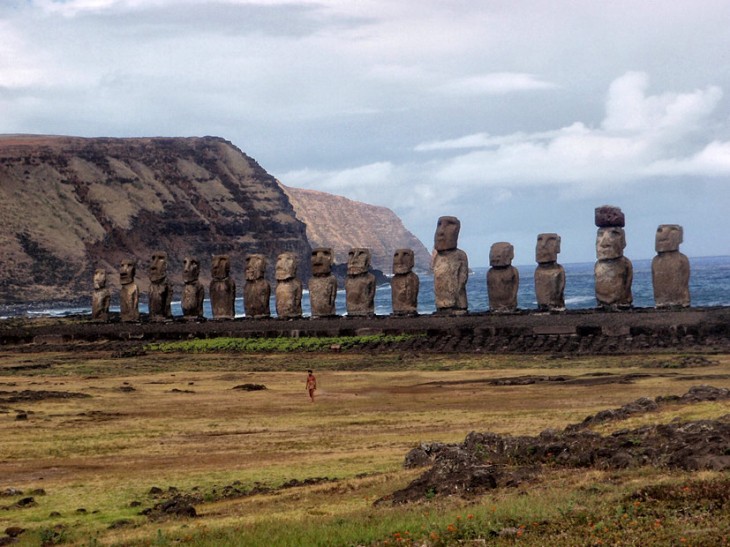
70, 205
341, 223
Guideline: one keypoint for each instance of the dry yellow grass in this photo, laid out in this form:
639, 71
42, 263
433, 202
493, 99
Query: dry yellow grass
184, 425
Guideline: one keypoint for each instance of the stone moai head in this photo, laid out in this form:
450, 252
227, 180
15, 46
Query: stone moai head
611, 238
99, 279
610, 243
220, 267
403, 261
447, 234
547, 248
127, 271
255, 267
286, 266
501, 255
358, 261
191, 269
158, 267
668, 238
322, 261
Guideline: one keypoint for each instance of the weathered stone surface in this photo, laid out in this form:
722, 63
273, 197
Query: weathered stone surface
503, 279
322, 284
450, 268
609, 215
129, 293
670, 269
256, 290
160, 295
71, 205
288, 287
549, 275
614, 272
101, 297
222, 288
341, 224
193, 290
360, 283
404, 283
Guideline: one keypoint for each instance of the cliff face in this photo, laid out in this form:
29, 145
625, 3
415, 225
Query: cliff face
70, 205
341, 223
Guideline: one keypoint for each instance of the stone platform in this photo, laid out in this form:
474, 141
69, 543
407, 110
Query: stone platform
580, 331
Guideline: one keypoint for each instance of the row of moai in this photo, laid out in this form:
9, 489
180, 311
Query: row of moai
613, 278
359, 287
613, 271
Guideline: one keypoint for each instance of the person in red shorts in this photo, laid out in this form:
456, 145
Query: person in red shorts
311, 384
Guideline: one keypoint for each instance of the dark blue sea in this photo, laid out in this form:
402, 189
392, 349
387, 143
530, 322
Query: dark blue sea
709, 286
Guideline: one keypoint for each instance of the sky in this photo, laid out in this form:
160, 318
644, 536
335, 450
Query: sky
517, 117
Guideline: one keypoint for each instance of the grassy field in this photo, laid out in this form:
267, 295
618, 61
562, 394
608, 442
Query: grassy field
172, 420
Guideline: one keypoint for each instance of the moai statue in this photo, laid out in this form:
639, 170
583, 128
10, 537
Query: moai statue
404, 283
503, 279
322, 284
288, 287
193, 291
256, 289
360, 283
129, 293
670, 268
549, 275
222, 288
160, 295
614, 272
450, 268
101, 297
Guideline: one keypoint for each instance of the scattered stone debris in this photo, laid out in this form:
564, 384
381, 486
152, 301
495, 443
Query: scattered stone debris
7, 492
126, 353
126, 389
176, 390
30, 395
121, 523
14, 531
486, 461
687, 361
250, 387
177, 506
20, 504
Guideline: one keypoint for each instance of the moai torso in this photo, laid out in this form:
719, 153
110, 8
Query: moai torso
222, 288
404, 284
322, 284
503, 279
670, 269
549, 275
193, 290
129, 293
360, 284
613, 272
101, 297
256, 290
288, 287
160, 294
450, 268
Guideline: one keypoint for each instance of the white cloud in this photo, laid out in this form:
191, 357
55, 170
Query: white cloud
498, 83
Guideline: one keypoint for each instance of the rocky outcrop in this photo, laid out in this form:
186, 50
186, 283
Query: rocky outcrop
70, 205
341, 223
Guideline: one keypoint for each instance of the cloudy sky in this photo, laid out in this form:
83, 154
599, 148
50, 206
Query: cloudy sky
519, 117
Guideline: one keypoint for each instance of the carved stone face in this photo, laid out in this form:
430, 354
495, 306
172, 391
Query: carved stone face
255, 267
610, 243
358, 261
100, 279
321, 261
447, 234
403, 261
286, 266
127, 271
220, 266
668, 238
158, 267
501, 255
547, 248
191, 269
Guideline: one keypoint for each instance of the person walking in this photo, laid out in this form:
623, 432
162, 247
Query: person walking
311, 384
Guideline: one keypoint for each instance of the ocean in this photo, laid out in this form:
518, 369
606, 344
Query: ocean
709, 286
